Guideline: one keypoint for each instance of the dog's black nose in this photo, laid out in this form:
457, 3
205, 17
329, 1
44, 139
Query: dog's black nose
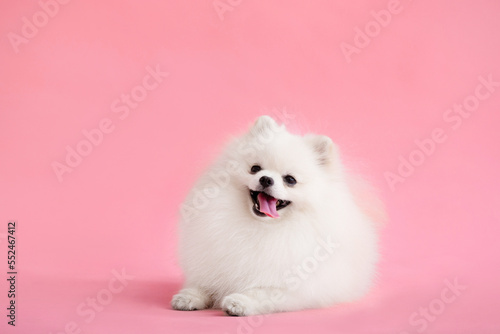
266, 181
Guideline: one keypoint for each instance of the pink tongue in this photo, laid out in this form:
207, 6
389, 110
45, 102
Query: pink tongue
267, 205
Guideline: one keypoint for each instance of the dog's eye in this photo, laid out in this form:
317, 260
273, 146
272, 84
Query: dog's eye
255, 169
290, 180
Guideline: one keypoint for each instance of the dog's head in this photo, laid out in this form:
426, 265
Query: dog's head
283, 173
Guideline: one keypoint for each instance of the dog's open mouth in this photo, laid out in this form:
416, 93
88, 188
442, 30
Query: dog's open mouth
266, 205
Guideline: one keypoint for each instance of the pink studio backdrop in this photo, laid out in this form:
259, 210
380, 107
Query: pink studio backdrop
376, 76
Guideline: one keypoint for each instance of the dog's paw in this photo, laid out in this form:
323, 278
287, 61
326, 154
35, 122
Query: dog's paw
237, 304
189, 300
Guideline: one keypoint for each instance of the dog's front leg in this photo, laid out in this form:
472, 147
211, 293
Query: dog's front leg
256, 301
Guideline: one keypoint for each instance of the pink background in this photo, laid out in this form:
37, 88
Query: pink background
118, 208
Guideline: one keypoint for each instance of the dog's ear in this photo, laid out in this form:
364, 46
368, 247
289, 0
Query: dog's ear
263, 124
324, 148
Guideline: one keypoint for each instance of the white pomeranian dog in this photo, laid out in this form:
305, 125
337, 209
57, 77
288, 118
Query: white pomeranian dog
272, 226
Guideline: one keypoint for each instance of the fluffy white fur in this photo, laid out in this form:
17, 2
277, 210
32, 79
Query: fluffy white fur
321, 251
